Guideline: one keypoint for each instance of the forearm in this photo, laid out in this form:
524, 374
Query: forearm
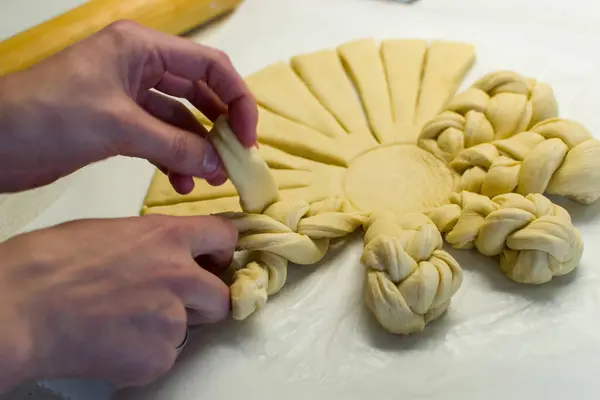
12, 124
14, 351
28, 140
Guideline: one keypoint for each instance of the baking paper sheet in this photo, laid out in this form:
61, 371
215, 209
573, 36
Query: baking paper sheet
499, 339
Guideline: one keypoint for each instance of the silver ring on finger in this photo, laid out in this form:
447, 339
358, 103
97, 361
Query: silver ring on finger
179, 348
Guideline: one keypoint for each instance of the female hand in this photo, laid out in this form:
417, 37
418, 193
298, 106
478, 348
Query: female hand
105, 96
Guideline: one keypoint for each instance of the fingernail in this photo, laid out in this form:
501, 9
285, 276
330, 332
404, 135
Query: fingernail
211, 161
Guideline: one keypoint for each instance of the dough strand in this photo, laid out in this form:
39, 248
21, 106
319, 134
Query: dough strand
374, 136
534, 238
293, 231
410, 279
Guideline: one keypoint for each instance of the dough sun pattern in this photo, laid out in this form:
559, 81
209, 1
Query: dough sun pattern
374, 136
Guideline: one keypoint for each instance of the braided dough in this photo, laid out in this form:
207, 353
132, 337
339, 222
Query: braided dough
293, 231
502, 135
410, 279
374, 136
534, 238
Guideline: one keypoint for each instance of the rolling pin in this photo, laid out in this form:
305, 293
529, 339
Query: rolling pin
175, 17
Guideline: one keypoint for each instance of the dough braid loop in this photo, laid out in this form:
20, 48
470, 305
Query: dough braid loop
288, 231
410, 279
501, 135
497, 106
534, 238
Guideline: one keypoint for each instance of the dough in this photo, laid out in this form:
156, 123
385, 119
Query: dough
410, 279
408, 179
497, 106
377, 131
445, 67
279, 89
245, 168
534, 238
294, 231
364, 66
323, 116
325, 76
503, 135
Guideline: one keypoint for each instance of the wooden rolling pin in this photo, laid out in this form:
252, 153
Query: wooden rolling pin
175, 17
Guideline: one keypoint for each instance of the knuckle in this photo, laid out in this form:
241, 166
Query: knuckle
174, 232
174, 321
220, 55
121, 27
228, 229
221, 307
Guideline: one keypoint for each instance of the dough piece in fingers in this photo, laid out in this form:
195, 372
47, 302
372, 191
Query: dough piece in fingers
246, 169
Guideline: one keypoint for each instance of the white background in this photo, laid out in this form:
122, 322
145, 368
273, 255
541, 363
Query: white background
499, 340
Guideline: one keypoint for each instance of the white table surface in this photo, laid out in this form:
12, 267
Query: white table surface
314, 340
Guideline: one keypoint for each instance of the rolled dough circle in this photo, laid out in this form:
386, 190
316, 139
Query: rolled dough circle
401, 178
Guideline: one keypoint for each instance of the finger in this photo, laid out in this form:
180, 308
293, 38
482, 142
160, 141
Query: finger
189, 60
196, 92
183, 184
215, 264
209, 235
204, 293
195, 318
174, 139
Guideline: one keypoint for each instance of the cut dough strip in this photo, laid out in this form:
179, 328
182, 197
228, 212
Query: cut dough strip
246, 169
363, 63
279, 159
161, 193
403, 61
325, 76
446, 65
298, 139
279, 89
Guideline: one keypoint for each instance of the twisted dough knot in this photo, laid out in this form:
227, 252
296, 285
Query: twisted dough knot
293, 231
534, 237
410, 279
556, 156
497, 106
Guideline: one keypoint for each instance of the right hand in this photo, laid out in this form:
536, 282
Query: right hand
109, 299
93, 100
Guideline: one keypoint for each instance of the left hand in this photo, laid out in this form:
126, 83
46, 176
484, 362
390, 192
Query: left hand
93, 101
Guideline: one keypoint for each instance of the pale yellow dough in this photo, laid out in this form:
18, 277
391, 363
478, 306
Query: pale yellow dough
374, 135
293, 231
323, 118
534, 238
245, 168
398, 178
410, 278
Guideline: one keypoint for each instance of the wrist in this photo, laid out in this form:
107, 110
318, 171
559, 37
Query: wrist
11, 136
27, 150
16, 341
